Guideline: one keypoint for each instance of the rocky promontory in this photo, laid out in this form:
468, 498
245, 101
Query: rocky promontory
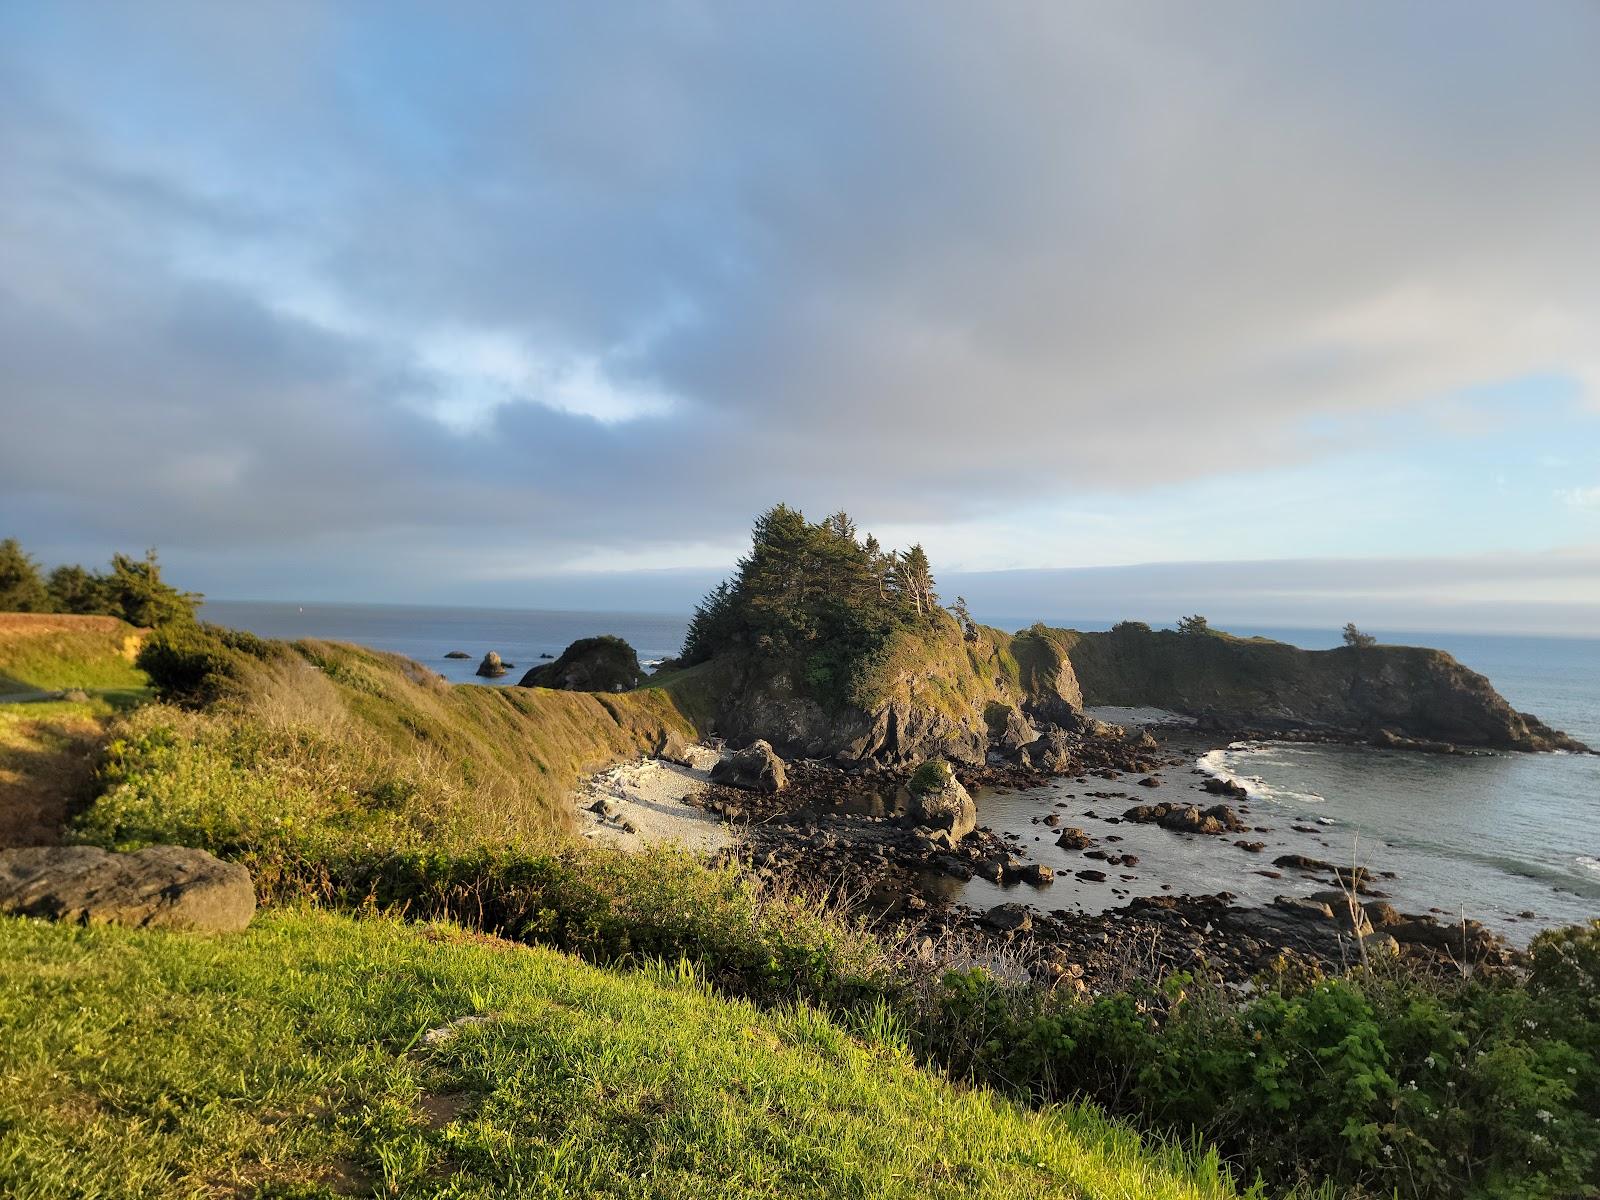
1402, 696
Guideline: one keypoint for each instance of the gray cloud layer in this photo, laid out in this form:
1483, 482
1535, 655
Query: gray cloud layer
332, 288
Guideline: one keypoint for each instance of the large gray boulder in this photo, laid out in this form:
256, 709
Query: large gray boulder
159, 887
756, 768
938, 801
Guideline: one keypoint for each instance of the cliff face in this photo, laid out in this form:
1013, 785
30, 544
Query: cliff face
934, 692
1364, 692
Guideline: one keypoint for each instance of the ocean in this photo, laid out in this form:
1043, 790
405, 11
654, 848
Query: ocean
1494, 836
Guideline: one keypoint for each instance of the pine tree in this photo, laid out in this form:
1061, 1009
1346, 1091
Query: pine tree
21, 588
136, 592
74, 590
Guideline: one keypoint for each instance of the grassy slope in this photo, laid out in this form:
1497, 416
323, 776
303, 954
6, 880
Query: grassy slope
49, 653
288, 1061
327, 747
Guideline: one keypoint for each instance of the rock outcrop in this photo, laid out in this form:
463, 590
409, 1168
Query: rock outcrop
756, 768
491, 667
159, 887
938, 801
1397, 695
935, 694
595, 664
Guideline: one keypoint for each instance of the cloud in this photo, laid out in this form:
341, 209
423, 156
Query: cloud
1585, 498
545, 287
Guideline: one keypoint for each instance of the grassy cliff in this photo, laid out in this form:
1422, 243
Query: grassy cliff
278, 753
1411, 691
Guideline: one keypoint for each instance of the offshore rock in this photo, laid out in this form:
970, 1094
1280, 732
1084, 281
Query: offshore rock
595, 664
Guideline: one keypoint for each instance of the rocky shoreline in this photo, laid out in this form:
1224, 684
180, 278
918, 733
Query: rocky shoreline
851, 833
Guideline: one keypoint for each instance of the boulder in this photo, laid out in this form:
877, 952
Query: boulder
938, 801
159, 887
674, 749
491, 667
1314, 910
595, 664
1049, 752
1225, 787
1035, 873
1073, 838
458, 654
1009, 918
756, 768
1009, 730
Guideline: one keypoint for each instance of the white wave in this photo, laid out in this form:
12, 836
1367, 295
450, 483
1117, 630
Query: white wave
1590, 864
1225, 764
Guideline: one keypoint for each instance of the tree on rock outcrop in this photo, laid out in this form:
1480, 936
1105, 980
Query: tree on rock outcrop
816, 597
1357, 640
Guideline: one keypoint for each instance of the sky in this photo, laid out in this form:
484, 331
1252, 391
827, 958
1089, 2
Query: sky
1286, 309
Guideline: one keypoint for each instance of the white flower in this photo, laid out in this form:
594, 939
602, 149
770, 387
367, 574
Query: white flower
1544, 1115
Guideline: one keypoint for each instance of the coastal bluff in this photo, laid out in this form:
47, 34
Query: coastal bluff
1389, 694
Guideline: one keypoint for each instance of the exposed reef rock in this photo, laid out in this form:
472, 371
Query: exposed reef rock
491, 667
595, 664
1396, 695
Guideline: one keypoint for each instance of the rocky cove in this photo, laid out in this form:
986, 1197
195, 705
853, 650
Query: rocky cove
1130, 863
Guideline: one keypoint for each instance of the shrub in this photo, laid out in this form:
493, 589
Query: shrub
1194, 625
194, 665
1129, 627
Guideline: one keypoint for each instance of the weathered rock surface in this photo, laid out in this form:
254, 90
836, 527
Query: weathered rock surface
596, 664
1187, 818
159, 887
458, 654
756, 768
491, 667
938, 801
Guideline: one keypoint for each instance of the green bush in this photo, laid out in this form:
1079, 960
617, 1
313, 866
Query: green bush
193, 665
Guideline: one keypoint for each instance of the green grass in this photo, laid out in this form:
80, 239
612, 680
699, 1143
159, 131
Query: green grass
323, 749
291, 1061
52, 653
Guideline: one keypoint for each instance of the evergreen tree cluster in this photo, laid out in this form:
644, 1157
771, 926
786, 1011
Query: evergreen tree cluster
815, 593
132, 589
